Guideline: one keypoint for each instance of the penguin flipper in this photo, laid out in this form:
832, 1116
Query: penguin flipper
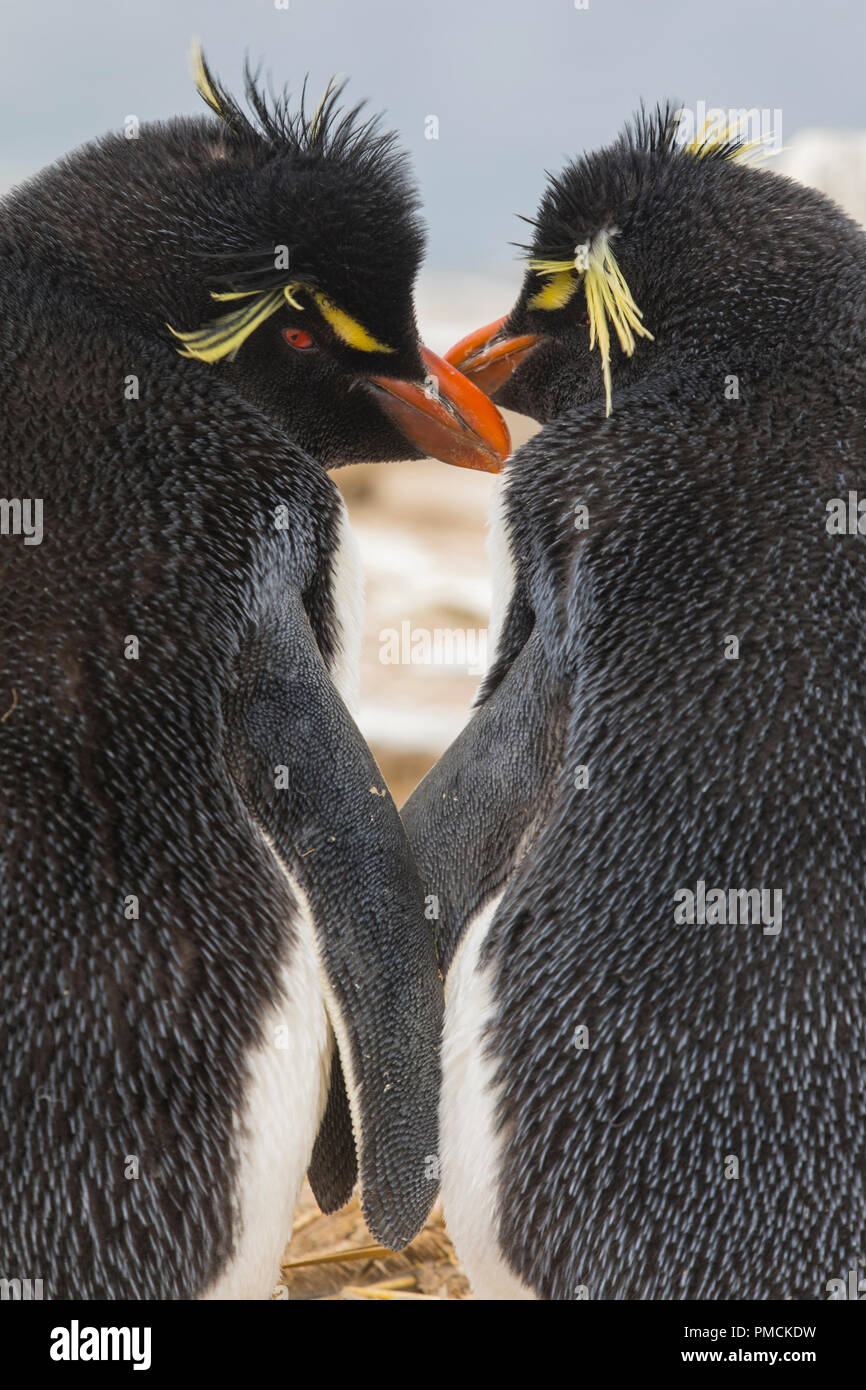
312, 787
468, 817
333, 1169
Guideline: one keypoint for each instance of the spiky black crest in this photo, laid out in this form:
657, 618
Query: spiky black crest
273, 124
329, 186
594, 189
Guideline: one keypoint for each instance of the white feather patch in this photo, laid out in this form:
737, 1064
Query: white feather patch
471, 1148
285, 1100
285, 1108
335, 1018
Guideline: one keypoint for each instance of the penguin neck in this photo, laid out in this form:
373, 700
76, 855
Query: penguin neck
130, 223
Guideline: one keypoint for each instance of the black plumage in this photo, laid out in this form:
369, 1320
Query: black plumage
707, 492
127, 1031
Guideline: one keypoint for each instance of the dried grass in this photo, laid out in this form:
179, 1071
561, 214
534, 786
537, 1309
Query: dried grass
333, 1258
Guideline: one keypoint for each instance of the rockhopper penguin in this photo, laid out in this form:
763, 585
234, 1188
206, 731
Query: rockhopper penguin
204, 877
648, 843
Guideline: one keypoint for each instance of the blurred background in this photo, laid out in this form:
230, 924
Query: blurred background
486, 95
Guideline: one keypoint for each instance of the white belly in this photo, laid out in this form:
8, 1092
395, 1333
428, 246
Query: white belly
285, 1101
471, 1149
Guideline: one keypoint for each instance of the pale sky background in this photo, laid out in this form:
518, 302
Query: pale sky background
517, 85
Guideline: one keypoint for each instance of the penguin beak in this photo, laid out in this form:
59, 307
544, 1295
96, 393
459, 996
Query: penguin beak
487, 357
448, 418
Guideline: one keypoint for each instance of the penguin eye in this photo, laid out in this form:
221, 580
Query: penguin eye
297, 338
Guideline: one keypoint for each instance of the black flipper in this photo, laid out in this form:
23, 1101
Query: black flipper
336, 830
333, 1169
469, 817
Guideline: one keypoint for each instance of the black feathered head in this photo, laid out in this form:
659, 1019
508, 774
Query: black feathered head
330, 224
652, 253
326, 246
276, 249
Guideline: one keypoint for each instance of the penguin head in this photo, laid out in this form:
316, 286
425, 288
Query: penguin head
274, 247
303, 300
655, 255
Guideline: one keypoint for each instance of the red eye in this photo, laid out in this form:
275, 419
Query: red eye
297, 338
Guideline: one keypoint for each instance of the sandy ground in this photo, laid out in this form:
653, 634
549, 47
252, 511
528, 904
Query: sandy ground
334, 1258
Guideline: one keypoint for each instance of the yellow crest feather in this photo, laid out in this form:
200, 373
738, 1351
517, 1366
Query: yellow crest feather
353, 333
560, 287
716, 134
608, 299
201, 78
222, 337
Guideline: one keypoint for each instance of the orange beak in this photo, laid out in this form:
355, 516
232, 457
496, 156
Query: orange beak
449, 418
489, 359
